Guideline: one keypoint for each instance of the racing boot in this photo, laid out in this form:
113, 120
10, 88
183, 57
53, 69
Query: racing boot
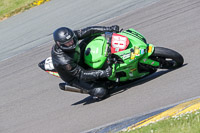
99, 93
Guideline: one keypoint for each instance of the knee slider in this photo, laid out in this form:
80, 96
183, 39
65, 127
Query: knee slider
99, 92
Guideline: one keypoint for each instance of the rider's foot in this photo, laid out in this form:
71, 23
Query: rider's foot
99, 93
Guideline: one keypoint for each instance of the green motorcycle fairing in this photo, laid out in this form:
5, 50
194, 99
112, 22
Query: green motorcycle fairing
137, 51
98, 53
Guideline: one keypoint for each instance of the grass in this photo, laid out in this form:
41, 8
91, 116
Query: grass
11, 7
185, 123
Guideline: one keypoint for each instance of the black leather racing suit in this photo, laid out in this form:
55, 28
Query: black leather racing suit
67, 63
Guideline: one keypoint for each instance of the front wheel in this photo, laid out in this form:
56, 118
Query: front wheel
168, 59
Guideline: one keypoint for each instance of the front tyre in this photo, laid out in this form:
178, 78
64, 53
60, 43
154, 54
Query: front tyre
168, 59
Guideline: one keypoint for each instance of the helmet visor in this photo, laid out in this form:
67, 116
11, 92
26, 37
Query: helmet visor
69, 43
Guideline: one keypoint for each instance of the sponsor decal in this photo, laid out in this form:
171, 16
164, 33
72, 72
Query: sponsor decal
152, 63
48, 64
54, 73
95, 51
126, 56
136, 51
132, 56
122, 54
131, 74
134, 69
142, 51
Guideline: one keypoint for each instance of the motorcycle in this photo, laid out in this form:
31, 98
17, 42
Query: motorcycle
129, 55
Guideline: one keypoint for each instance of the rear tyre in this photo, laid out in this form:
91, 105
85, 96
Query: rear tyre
168, 59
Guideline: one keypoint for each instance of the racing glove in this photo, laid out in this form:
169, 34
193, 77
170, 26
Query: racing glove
106, 73
115, 28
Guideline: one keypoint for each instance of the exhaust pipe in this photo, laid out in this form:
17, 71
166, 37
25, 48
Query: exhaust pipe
65, 87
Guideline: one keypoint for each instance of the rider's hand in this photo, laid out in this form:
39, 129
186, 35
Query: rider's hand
115, 28
106, 73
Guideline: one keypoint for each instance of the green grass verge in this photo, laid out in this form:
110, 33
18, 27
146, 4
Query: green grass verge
185, 123
11, 7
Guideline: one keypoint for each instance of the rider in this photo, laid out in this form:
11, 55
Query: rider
66, 55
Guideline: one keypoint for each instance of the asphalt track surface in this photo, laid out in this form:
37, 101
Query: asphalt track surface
30, 100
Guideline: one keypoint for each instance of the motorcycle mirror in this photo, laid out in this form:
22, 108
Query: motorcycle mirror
87, 52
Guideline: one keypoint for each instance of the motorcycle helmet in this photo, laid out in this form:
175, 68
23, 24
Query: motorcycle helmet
65, 38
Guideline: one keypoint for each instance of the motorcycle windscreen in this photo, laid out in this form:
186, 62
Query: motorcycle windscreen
48, 67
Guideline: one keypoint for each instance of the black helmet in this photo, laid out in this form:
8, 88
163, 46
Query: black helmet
65, 39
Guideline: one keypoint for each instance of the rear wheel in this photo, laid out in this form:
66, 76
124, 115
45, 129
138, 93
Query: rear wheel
168, 59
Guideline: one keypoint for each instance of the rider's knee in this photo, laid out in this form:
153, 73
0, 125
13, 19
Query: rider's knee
98, 92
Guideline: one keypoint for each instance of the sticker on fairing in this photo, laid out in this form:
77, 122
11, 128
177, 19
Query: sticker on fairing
54, 73
48, 64
126, 56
